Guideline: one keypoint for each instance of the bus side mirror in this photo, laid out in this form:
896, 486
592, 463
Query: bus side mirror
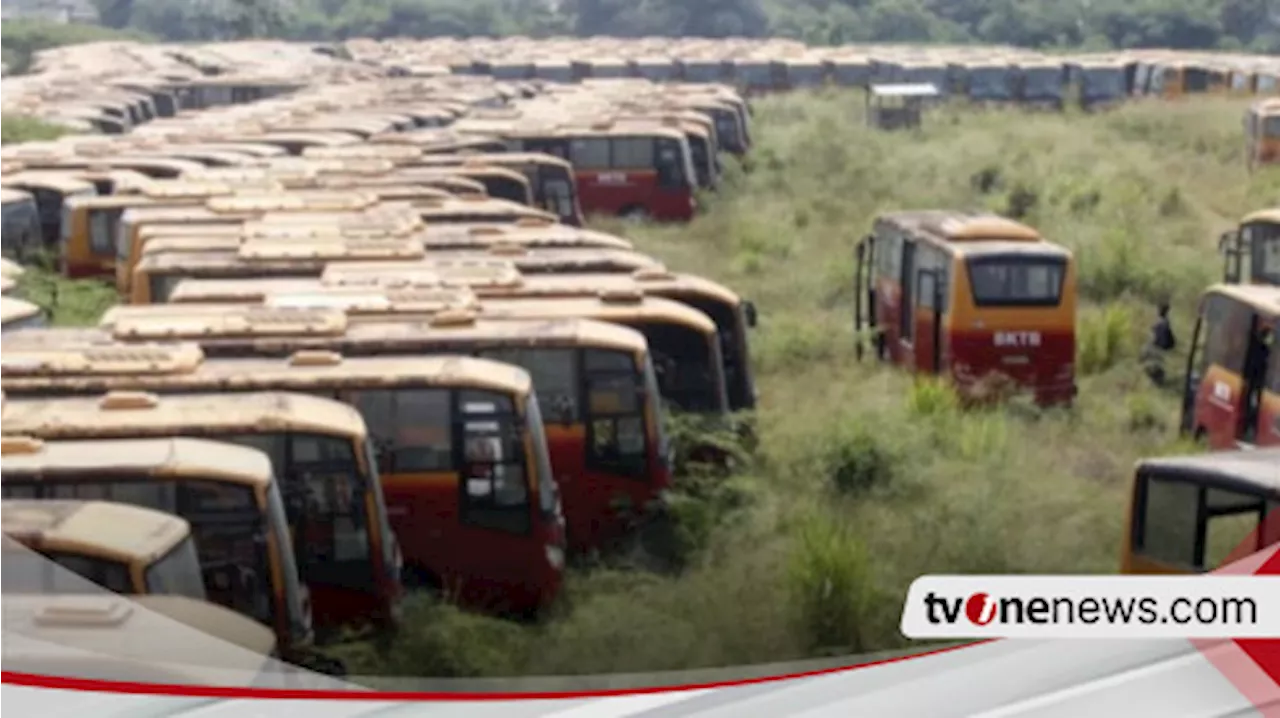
749, 309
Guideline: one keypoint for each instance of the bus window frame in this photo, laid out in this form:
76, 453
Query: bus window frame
181, 553
1204, 513
610, 457
483, 510
1061, 264
52, 581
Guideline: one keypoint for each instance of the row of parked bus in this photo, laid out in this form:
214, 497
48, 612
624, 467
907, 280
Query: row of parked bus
428, 385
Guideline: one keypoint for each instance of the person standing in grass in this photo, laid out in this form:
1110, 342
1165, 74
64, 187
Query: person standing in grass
1162, 342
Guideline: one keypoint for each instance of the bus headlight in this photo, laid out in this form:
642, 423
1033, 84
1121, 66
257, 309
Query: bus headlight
555, 557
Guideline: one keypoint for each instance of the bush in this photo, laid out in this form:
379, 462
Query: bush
17, 128
857, 459
1103, 339
833, 588
932, 396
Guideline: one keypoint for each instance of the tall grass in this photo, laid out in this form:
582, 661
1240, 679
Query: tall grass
864, 478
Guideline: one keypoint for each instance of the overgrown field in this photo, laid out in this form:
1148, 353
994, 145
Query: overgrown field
863, 479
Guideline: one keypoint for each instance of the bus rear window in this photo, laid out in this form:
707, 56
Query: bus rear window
1016, 281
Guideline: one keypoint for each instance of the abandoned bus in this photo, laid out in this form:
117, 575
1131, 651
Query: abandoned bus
530, 234
633, 172
50, 190
550, 177
90, 225
227, 494
158, 273
21, 238
1232, 392
18, 314
1252, 250
346, 553
1193, 514
458, 441
122, 548
683, 341
731, 314
970, 296
1262, 132
596, 387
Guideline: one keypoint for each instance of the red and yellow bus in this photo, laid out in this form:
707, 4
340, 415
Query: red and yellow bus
636, 172
498, 278
345, 551
1232, 393
1252, 250
458, 443
596, 386
551, 177
972, 297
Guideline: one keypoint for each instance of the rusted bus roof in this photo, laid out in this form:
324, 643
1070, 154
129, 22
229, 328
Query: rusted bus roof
122, 533
1256, 469
63, 182
1262, 297
168, 456
476, 208
971, 233
1270, 215
142, 415
390, 334
13, 309
533, 233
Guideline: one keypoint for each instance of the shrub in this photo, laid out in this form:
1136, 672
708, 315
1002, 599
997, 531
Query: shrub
1103, 339
833, 587
18, 128
857, 459
932, 396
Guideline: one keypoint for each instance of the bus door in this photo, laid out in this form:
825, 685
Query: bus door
928, 319
1226, 355
864, 295
1257, 364
906, 344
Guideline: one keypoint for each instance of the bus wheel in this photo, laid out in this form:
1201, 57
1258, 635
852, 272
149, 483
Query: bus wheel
634, 214
1201, 437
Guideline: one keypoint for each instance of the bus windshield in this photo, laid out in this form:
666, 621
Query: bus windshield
1016, 281
1264, 246
177, 573
226, 523
324, 492
1185, 523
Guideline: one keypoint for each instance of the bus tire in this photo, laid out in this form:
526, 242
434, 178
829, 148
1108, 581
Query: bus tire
1200, 437
634, 214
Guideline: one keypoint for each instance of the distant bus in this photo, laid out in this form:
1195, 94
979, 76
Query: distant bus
969, 296
1252, 250
551, 177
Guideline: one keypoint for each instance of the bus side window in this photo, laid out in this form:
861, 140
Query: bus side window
670, 164
590, 153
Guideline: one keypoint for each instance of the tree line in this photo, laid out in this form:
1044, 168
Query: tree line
1252, 25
